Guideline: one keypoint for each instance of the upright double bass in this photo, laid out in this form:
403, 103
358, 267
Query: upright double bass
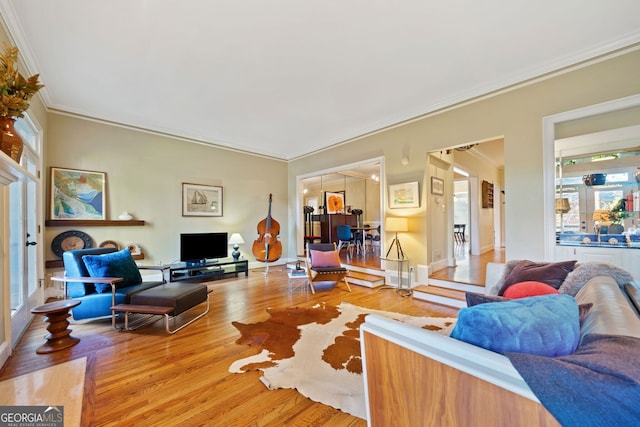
266, 247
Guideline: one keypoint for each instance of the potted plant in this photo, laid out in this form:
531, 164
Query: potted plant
15, 93
617, 214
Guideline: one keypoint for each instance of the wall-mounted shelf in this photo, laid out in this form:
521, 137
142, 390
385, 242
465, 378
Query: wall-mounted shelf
487, 195
58, 263
92, 222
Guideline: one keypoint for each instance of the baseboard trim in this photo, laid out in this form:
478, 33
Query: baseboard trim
5, 352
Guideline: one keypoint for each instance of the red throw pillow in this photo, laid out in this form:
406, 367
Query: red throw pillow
529, 289
325, 259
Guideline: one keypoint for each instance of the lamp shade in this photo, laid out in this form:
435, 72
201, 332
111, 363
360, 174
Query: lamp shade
396, 224
236, 239
562, 205
601, 215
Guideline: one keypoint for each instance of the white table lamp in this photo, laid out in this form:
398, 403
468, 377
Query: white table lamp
236, 240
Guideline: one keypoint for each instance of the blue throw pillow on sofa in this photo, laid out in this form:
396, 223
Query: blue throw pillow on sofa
545, 325
115, 264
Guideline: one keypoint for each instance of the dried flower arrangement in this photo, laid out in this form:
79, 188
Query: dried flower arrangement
15, 90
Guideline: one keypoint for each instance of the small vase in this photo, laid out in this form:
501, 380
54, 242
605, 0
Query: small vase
125, 216
10, 142
616, 229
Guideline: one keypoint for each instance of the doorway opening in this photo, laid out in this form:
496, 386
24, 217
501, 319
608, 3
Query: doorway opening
477, 233
461, 212
350, 195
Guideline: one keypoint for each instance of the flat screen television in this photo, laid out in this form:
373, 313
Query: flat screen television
200, 247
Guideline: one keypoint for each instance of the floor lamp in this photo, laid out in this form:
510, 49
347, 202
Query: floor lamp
396, 225
562, 207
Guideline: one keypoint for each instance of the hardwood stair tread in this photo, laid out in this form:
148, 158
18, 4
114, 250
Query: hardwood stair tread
365, 279
443, 292
364, 276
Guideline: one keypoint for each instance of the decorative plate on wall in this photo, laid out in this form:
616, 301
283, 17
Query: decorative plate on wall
69, 241
110, 244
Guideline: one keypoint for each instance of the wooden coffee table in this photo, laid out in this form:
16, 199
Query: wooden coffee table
57, 313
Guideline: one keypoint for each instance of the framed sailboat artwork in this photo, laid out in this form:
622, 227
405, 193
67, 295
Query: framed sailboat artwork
201, 200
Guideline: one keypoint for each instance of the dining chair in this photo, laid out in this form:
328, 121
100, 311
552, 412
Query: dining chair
345, 239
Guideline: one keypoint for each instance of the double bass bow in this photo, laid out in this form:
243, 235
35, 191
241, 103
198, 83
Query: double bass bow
266, 247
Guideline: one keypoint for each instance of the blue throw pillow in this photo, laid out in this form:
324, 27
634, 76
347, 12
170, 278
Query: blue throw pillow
545, 325
115, 264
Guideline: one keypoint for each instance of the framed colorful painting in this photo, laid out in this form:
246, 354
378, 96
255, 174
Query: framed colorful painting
404, 195
77, 194
334, 202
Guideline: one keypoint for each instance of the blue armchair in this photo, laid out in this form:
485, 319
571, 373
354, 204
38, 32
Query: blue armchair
102, 278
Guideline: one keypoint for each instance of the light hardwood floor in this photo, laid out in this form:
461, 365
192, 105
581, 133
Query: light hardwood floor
149, 378
469, 268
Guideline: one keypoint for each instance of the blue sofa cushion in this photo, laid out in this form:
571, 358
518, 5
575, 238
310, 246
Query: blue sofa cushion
74, 267
116, 264
475, 299
545, 325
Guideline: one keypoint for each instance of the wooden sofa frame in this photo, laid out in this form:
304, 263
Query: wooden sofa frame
409, 383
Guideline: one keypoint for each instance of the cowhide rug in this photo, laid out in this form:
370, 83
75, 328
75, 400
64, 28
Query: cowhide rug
317, 351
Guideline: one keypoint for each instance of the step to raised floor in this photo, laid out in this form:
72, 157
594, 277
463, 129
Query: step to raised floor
440, 295
365, 279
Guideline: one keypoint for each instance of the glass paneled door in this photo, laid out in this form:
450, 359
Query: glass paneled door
25, 266
23, 255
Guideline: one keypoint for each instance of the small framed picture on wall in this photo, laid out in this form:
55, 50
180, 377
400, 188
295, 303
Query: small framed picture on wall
201, 200
437, 186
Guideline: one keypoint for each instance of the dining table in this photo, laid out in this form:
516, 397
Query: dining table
360, 244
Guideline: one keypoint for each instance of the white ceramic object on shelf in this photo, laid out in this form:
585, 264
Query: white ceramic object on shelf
134, 248
125, 216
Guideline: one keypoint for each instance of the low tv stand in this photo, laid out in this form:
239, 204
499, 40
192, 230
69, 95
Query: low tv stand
200, 263
209, 270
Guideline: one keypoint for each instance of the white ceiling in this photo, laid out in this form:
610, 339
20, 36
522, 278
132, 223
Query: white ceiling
284, 78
